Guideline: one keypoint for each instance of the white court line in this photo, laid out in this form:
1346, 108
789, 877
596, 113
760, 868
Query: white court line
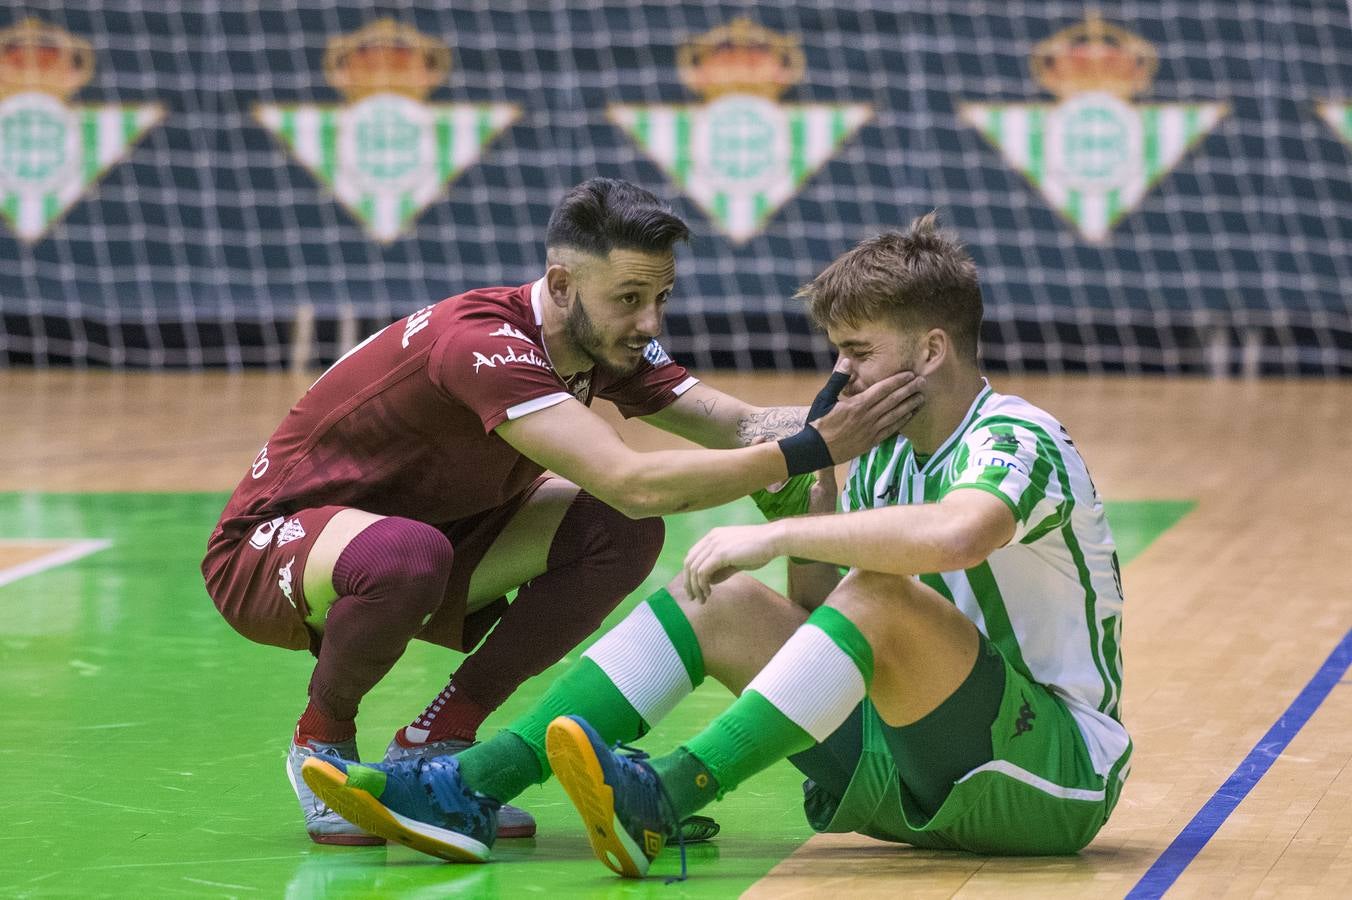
69, 552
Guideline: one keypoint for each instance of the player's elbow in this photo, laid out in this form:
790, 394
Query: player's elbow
961, 548
627, 487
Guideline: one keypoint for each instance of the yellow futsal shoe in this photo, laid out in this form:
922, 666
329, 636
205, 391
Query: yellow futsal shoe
624, 807
422, 804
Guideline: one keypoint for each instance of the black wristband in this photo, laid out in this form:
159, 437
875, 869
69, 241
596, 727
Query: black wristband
826, 398
805, 452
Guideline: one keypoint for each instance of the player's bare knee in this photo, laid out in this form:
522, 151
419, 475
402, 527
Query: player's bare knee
880, 606
730, 603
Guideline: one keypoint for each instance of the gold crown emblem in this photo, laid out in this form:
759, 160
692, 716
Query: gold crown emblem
1094, 55
740, 58
386, 57
35, 56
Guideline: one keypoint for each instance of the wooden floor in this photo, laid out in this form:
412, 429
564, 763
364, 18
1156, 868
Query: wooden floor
1229, 614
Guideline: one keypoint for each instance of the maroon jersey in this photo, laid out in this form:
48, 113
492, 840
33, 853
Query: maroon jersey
402, 425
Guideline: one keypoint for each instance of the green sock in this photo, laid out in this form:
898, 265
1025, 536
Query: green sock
802, 695
500, 767
689, 783
623, 684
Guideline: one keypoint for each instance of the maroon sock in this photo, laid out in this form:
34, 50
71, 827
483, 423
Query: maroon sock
597, 557
389, 579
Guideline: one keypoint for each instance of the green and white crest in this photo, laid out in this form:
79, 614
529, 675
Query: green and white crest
53, 152
740, 155
387, 157
387, 154
1094, 154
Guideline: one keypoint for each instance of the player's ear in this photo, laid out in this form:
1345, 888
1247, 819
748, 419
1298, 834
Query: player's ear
558, 282
934, 349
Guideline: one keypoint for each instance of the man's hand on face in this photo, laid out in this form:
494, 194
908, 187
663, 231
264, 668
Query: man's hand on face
861, 421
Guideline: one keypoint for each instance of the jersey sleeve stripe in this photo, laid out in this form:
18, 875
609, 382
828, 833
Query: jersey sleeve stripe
539, 403
684, 386
990, 488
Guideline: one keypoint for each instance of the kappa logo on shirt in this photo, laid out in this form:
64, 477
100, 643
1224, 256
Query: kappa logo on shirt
416, 323
284, 581
530, 357
262, 535
291, 531
508, 331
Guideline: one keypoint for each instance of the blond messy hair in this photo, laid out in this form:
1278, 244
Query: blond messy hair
917, 279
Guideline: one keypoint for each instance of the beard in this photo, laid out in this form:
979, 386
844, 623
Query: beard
585, 336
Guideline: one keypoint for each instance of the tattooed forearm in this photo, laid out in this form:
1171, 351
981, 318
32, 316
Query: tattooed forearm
770, 424
707, 407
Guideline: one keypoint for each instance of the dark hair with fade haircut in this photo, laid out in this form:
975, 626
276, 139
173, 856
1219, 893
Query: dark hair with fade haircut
604, 214
919, 278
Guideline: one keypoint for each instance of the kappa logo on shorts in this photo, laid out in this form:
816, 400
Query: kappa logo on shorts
284, 581
262, 535
291, 531
1026, 717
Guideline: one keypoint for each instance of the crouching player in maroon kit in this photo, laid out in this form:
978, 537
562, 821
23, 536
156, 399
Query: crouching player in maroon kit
404, 494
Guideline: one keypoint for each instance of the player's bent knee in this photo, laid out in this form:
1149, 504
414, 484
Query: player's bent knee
646, 536
638, 541
880, 605
397, 558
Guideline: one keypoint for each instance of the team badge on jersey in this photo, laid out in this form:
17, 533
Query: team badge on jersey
51, 151
741, 154
387, 154
291, 530
1094, 153
1339, 117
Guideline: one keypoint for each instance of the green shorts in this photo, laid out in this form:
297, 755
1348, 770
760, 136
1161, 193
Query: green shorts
1039, 795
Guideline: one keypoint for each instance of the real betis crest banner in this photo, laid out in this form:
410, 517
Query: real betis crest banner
387, 154
741, 154
1094, 154
51, 151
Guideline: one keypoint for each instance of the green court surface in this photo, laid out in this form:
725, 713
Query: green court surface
143, 741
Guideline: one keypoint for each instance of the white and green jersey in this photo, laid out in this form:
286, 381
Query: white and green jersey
1051, 599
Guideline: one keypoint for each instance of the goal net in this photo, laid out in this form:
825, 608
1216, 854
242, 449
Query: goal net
1154, 186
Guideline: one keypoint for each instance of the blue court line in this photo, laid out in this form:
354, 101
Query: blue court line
1190, 841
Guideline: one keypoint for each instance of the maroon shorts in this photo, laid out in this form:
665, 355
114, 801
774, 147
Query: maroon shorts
257, 582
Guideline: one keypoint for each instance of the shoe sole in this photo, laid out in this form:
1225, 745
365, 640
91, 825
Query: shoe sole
366, 812
346, 840
579, 772
516, 831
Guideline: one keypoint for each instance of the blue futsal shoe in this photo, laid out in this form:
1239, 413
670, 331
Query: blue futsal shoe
626, 811
513, 822
420, 803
